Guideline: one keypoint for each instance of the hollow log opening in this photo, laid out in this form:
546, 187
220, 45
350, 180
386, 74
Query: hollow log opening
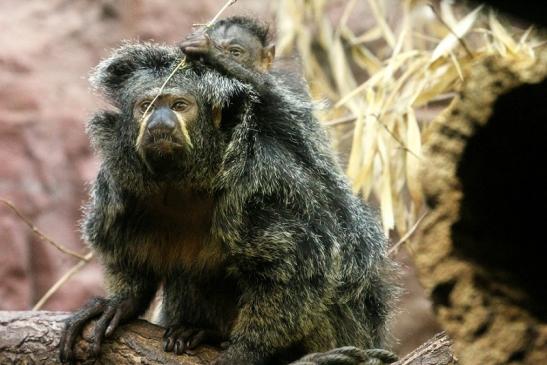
478, 251
504, 185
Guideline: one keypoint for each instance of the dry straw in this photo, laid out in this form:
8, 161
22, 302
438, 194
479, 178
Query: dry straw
391, 78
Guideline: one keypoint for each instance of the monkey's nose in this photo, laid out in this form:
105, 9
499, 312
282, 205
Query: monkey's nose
161, 125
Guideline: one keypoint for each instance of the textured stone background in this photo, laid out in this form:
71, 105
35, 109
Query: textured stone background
47, 49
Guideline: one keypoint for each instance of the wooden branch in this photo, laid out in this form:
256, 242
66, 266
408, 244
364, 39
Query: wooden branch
436, 351
66, 277
33, 338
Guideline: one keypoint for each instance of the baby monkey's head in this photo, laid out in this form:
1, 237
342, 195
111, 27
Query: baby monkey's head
246, 40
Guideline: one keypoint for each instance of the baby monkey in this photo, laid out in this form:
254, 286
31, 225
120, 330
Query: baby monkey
238, 46
243, 39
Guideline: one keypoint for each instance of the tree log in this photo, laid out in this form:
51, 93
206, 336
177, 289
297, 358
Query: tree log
478, 250
436, 351
33, 338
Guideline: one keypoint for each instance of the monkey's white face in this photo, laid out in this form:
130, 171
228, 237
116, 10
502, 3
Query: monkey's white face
163, 126
176, 136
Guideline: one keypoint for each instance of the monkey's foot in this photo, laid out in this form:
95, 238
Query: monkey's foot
185, 339
349, 356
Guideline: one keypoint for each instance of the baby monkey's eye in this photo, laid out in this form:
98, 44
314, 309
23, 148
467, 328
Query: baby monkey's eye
235, 51
144, 106
179, 105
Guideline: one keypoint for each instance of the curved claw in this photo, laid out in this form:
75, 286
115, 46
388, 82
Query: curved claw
100, 328
184, 339
74, 326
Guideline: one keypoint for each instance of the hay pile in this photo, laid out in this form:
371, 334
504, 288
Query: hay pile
389, 79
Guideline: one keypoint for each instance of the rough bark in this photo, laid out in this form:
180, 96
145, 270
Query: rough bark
33, 338
478, 250
436, 351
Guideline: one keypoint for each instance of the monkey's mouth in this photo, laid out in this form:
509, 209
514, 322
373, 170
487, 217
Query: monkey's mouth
162, 142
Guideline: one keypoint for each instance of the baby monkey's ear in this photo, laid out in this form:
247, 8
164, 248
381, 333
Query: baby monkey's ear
268, 55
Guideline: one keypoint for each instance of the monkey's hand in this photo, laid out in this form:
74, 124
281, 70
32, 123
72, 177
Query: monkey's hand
199, 44
348, 355
181, 339
111, 313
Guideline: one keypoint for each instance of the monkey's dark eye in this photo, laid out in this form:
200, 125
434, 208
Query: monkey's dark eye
179, 105
235, 51
143, 107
